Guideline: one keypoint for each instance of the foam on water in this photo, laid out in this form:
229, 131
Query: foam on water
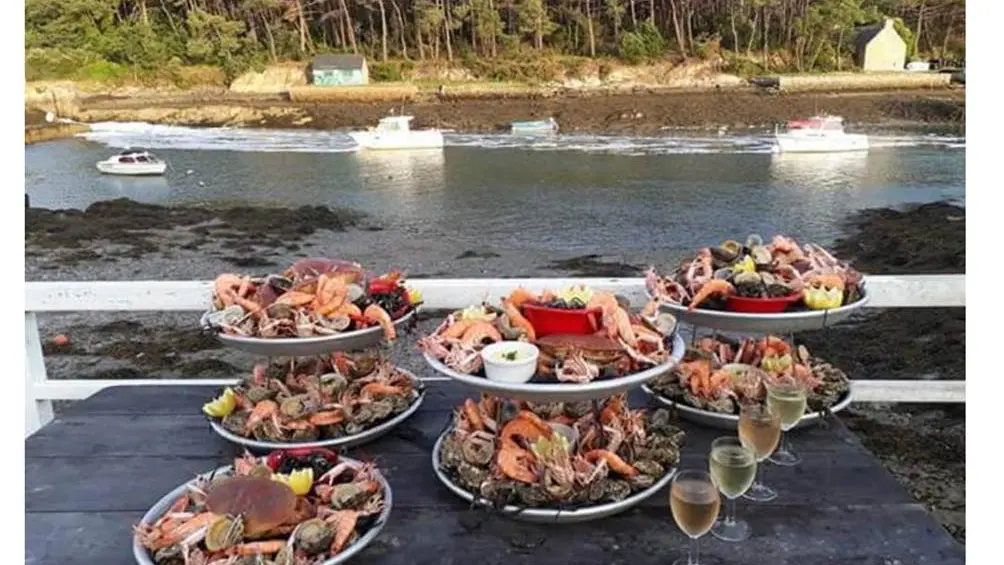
121, 135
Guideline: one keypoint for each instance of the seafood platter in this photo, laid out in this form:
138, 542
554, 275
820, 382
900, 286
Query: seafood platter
572, 345
314, 307
303, 507
557, 462
341, 400
719, 374
780, 286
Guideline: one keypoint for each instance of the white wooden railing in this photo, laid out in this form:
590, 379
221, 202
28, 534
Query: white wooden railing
914, 291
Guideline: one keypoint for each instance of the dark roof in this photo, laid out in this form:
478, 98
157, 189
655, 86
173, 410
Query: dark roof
866, 34
329, 62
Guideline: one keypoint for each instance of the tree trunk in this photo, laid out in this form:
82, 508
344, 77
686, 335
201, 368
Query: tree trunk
491, 8
401, 29
302, 24
677, 27
142, 13
270, 38
589, 29
634, 16
474, 28
732, 22
651, 12
948, 35
383, 30
349, 26
920, 26
753, 29
766, 38
448, 22
840, 41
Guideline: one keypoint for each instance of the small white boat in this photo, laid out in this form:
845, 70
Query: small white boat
549, 125
132, 162
818, 134
394, 132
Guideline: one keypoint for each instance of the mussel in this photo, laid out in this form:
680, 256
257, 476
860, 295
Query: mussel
727, 252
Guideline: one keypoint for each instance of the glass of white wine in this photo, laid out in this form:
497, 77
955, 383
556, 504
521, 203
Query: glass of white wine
733, 467
786, 396
694, 503
760, 432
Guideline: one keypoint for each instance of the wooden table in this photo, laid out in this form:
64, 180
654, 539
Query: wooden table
95, 470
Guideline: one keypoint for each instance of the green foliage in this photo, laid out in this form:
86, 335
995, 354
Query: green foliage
504, 39
645, 44
391, 71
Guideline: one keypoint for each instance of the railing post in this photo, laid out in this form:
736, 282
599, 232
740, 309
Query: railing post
37, 413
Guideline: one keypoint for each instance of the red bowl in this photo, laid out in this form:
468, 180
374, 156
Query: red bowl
547, 321
762, 305
275, 458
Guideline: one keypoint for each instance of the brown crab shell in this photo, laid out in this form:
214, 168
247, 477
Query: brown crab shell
264, 503
593, 347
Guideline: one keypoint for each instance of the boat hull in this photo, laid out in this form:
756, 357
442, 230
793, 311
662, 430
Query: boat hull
789, 143
135, 170
398, 141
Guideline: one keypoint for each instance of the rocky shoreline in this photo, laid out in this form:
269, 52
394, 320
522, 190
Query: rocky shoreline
644, 112
923, 446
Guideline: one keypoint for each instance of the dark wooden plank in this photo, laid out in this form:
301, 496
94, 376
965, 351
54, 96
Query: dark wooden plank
191, 435
868, 535
135, 483
440, 397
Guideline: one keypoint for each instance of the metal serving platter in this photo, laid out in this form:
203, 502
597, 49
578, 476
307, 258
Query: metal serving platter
562, 392
785, 322
731, 421
549, 516
361, 438
143, 557
305, 346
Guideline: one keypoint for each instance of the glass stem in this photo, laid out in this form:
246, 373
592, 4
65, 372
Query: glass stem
759, 474
784, 442
730, 513
694, 555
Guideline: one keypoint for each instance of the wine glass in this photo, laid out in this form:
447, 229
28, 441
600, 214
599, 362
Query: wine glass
733, 468
694, 503
760, 432
787, 397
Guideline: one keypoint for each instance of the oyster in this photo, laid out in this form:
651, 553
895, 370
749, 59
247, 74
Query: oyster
235, 422
499, 492
224, 532
298, 406
313, 536
470, 476
333, 384
348, 495
258, 393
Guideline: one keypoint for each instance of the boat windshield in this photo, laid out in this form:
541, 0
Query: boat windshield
142, 159
393, 124
126, 160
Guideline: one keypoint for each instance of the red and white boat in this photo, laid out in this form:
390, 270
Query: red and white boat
818, 134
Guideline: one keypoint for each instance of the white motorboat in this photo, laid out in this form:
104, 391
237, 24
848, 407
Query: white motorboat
539, 127
394, 132
132, 162
818, 134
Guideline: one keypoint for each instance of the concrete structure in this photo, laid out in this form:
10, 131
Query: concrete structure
339, 70
880, 48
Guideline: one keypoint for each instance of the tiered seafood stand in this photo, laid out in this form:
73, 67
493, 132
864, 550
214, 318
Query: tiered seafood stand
125, 455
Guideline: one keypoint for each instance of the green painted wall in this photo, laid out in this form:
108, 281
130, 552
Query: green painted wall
339, 77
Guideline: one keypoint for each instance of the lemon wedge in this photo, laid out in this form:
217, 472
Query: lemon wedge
414, 295
745, 266
222, 406
576, 292
474, 313
299, 481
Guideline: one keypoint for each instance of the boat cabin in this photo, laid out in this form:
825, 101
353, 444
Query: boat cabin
135, 156
826, 123
395, 124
